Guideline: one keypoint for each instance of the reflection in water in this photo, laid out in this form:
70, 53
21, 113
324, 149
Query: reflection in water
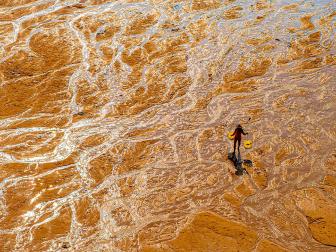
114, 121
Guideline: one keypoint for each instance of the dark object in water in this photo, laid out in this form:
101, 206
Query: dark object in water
177, 7
238, 163
80, 113
66, 245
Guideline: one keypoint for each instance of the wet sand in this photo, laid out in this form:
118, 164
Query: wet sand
114, 119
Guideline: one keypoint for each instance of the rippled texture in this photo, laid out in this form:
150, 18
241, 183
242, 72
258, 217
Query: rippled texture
114, 117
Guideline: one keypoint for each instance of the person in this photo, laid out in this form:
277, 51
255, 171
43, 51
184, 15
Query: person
237, 137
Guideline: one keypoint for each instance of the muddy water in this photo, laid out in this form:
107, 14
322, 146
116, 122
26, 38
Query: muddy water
114, 116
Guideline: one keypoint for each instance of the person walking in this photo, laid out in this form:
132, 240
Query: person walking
237, 137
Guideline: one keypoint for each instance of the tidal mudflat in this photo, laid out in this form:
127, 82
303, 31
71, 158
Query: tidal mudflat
114, 118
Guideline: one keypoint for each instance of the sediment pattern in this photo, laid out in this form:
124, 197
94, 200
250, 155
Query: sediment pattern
114, 116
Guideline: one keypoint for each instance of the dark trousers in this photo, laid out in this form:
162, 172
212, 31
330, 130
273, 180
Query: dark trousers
235, 142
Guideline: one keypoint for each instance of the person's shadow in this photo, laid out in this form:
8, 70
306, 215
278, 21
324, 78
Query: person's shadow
238, 163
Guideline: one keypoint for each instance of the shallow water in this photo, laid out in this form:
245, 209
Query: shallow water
114, 120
